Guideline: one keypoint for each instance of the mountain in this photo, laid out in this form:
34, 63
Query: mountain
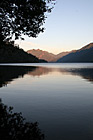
50, 57
13, 54
85, 54
42, 54
60, 55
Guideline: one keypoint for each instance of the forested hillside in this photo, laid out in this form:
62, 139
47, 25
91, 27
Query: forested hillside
13, 54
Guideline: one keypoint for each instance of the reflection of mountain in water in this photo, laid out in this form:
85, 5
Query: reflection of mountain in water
40, 71
8, 73
85, 73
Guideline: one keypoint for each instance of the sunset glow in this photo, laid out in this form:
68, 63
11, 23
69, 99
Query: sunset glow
68, 27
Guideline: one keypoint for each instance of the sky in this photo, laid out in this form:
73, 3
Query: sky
68, 27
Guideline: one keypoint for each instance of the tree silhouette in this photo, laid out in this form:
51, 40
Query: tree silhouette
14, 127
22, 17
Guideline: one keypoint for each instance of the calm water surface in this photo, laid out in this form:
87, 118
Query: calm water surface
58, 96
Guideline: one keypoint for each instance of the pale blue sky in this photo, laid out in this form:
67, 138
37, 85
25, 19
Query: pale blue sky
69, 26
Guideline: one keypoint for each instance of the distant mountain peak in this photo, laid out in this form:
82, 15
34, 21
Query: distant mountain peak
50, 57
42, 54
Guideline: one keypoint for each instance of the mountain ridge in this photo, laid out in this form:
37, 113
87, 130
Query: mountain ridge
13, 54
50, 57
84, 54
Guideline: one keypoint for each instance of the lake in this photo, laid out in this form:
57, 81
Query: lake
58, 96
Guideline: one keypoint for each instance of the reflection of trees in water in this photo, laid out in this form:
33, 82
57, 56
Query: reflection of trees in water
8, 73
14, 127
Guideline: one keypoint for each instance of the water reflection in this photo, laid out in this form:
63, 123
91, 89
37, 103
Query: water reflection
9, 73
40, 71
57, 97
14, 127
85, 73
